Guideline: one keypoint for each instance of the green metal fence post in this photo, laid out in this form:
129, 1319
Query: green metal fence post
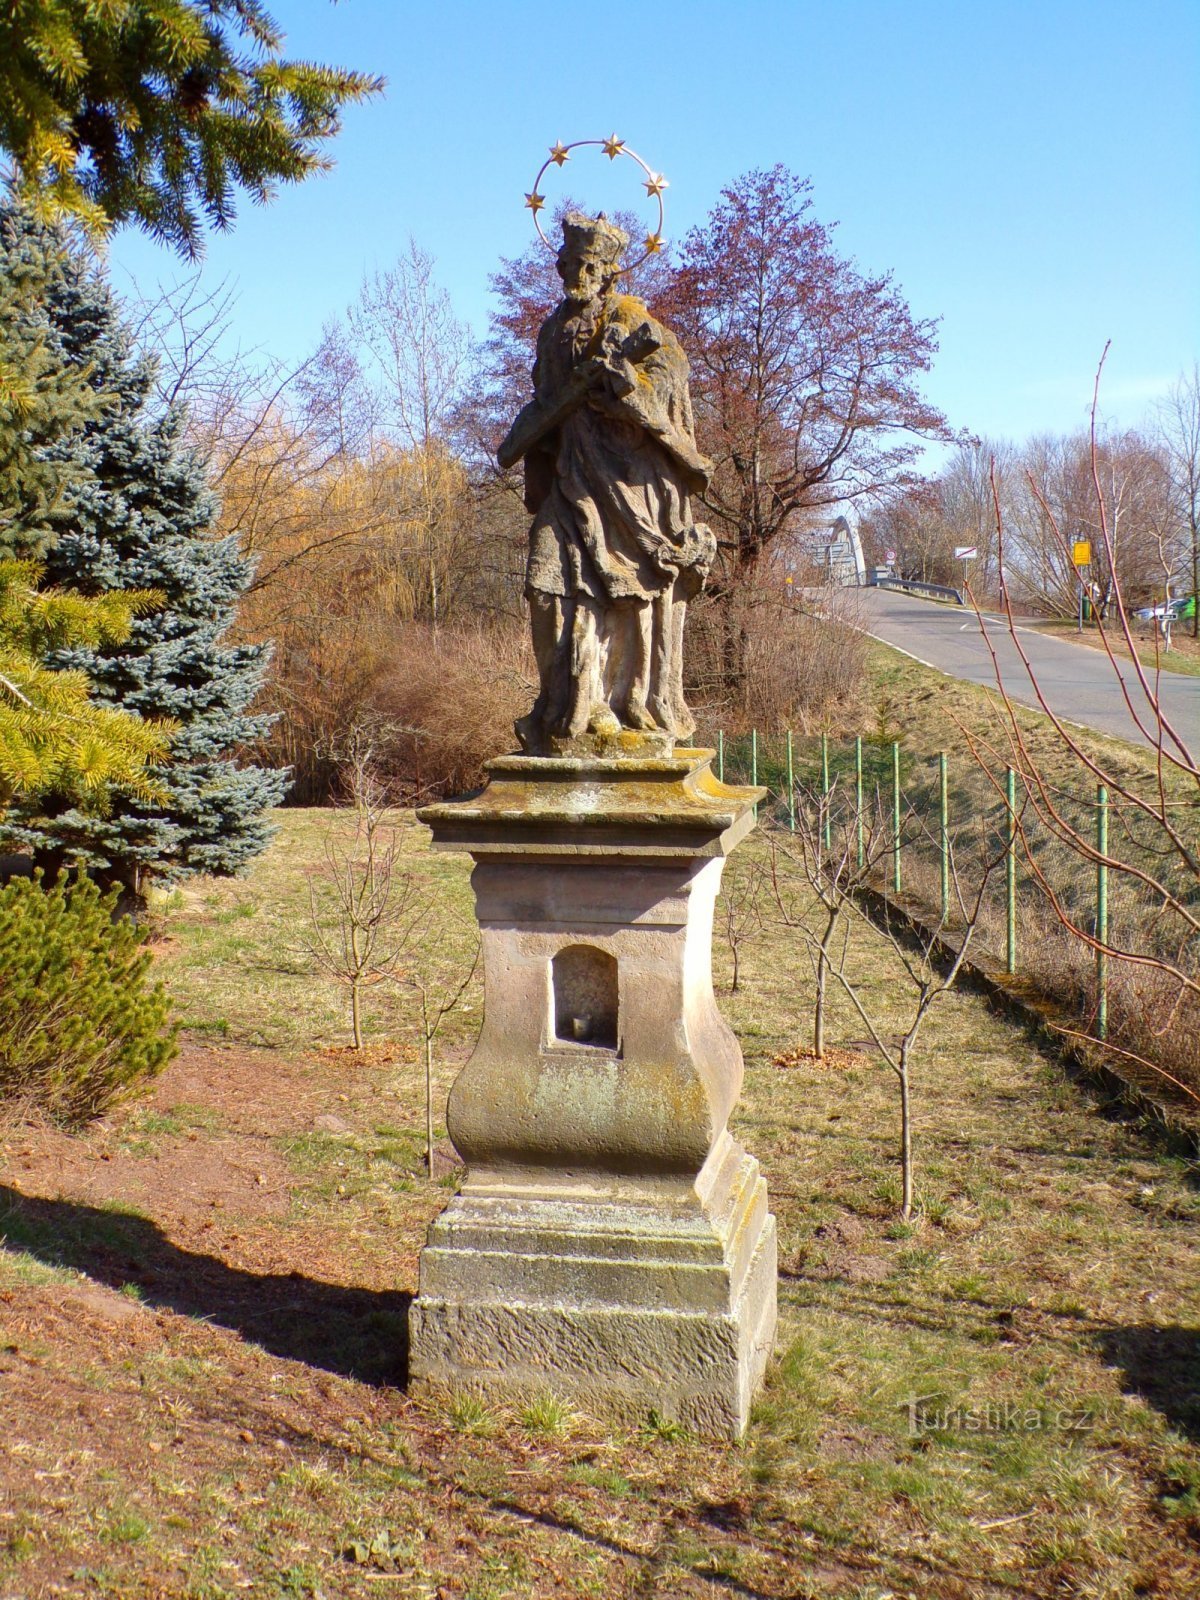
1010, 874
791, 785
896, 816
1102, 912
754, 763
858, 797
944, 833
825, 834
721, 754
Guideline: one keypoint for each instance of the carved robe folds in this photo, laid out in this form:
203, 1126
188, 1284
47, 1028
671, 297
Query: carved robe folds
615, 553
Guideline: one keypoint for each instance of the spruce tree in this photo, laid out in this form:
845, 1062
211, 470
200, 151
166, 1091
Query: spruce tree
45, 396
141, 517
52, 737
158, 111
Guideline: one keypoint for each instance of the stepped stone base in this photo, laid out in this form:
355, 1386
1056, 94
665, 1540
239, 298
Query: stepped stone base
611, 1244
619, 1298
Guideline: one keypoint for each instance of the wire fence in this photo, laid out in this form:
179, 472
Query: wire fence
1082, 890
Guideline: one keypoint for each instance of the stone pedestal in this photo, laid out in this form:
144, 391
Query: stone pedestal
611, 1242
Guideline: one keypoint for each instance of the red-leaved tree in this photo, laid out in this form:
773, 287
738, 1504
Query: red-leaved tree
805, 373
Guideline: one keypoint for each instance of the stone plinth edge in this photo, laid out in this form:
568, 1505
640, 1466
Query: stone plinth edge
611, 1244
672, 805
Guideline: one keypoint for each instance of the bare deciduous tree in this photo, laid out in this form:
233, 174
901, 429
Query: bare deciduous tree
378, 911
932, 962
838, 867
405, 325
835, 873
388, 929
1178, 420
437, 977
805, 372
923, 524
741, 910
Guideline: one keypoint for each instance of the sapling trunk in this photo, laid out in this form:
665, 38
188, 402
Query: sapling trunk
833, 911
356, 1013
357, 962
906, 1153
429, 1103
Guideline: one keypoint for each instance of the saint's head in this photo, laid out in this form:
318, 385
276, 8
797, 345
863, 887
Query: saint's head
590, 257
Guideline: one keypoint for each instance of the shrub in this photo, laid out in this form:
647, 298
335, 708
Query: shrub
441, 704
753, 659
451, 701
79, 1026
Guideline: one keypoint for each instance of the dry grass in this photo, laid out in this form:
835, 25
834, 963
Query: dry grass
760, 659
450, 701
1183, 656
200, 1398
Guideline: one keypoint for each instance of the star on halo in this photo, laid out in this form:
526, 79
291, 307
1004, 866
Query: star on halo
535, 201
653, 243
559, 153
655, 184
613, 146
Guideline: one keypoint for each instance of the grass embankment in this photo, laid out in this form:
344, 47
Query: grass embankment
1183, 656
203, 1303
929, 713
1150, 1016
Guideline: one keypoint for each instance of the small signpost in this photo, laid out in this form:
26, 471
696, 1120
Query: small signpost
1081, 557
965, 553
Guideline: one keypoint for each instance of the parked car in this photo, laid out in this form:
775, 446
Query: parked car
1181, 610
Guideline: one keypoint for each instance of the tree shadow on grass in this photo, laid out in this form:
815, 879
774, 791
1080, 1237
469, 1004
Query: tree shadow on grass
1159, 1362
358, 1333
1162, 1365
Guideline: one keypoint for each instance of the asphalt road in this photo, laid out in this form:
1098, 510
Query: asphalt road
1078, 683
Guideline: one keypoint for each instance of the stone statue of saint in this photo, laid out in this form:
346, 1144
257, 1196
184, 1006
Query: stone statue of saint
611, 466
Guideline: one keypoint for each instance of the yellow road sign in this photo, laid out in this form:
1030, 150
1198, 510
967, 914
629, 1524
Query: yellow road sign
1082, 556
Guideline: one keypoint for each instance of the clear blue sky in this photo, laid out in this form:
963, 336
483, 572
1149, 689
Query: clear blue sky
1029, 171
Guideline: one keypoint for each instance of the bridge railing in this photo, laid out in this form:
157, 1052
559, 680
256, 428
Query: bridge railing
939, 591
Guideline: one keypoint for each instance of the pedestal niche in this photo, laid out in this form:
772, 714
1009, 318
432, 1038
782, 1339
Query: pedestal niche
611, 1242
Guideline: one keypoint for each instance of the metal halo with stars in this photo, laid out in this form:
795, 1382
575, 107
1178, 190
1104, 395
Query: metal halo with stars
613, 147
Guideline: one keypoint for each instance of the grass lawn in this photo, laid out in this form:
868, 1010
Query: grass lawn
203, 1302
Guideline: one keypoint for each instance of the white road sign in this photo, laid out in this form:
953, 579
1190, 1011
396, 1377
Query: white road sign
965, 552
